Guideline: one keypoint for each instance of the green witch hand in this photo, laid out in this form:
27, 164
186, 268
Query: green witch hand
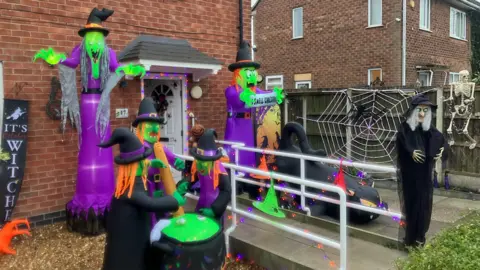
182, 187
179, 164
246, 97
49, 56
158, 194
208, 212
279, 94
181, 201
131, 70
157, 163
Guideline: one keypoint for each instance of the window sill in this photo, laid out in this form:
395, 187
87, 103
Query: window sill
295, 38
425, 30
457, 38
374, 26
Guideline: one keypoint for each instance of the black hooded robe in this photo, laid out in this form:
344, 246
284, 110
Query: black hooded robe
128, 228
415, 180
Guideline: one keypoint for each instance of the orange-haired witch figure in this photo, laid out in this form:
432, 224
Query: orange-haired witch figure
128, 230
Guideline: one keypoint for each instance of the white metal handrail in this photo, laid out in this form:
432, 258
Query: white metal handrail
341, 246
303, 193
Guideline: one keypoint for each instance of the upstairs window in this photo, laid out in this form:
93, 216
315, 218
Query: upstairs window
458, 24
454, 77
425, 14
374, 13
297, 19
374, 75
273, 81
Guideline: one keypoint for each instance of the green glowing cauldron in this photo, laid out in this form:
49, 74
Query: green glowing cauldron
191, 241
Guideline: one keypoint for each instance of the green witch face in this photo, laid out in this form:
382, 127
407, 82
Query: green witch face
247, 77
204, 167
95, 46
150, 131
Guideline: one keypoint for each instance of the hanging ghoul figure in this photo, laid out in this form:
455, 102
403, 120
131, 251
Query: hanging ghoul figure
419, 145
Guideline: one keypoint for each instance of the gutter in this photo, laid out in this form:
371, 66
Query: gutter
404, 42
470, 4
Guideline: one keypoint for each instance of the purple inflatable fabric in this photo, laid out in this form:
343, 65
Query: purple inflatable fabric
95, 180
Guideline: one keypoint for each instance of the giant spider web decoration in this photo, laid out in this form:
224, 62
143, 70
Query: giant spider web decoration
361, 125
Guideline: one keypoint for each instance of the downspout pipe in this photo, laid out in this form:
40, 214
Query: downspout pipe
240, 18
404, 42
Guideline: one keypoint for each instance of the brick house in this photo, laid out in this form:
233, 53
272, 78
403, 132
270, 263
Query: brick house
207, 30
316, 44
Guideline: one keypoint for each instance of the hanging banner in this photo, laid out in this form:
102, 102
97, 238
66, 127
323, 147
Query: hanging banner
13, 155
267, 132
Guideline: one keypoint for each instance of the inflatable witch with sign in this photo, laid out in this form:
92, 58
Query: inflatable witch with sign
243, 96
160, 180
100, 72
127, 223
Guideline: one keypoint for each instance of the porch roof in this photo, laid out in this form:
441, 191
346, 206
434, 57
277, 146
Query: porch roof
161, 54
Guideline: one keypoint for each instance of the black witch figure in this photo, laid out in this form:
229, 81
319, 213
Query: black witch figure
419, 146
128, 222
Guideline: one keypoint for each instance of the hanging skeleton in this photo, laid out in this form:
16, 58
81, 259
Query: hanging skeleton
466, 91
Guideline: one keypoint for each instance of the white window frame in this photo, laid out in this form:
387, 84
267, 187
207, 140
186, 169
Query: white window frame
372, 69
450, 77
453, 21
425, 8
297, 83
370, 17
429, 77
267, 78
293, 23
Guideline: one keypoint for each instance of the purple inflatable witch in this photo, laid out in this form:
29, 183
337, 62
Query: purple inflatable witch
215, 191
243, 97
100, 73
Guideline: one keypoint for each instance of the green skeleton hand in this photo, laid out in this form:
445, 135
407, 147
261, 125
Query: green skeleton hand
179, 164
131, 70
279, 94
246, 97
49, 56
182, 188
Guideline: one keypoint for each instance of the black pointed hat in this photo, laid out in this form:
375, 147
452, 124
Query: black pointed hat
131, 149
420, 99
244, 58
207, 149
94, 22
147, 112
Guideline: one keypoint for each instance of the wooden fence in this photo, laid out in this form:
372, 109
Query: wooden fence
367, 133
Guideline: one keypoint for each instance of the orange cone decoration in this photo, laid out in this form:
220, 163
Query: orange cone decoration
263, 167
340, 179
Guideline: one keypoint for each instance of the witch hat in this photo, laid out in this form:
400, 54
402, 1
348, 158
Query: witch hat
207, 149
244, 58
94, 22
270, 203
147, 112
131, 149
263, 166
420, 99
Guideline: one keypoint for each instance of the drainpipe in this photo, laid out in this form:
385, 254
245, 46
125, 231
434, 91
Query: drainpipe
240, 26
404, 42
431, 77
251, 36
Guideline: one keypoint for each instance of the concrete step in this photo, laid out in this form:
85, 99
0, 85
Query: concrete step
276, 249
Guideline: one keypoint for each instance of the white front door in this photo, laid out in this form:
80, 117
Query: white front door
168, 96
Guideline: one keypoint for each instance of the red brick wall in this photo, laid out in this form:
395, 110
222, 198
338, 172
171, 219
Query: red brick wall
333, 45
29, 25
338, 48
436, 47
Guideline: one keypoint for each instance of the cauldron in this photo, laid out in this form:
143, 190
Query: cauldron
191, 241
